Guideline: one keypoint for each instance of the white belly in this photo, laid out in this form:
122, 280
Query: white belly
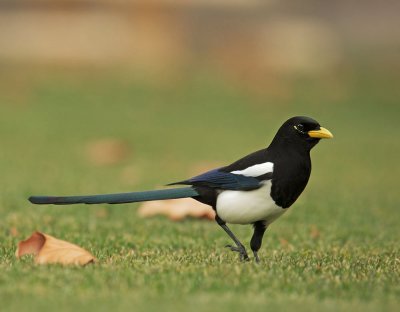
244, 207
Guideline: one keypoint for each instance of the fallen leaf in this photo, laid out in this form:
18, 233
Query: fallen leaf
48, 249
177, 209
106, 151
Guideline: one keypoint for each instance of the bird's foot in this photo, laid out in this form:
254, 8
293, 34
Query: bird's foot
241, 250
256, 258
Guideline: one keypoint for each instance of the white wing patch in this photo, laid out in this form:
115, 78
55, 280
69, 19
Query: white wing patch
256, 170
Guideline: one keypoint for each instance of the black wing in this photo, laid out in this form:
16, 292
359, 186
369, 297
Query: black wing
218, 179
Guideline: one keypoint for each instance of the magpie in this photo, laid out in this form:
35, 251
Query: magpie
256, 189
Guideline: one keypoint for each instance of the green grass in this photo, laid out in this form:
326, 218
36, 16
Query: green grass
46, 122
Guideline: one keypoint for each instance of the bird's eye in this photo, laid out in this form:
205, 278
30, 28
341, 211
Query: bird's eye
299, 128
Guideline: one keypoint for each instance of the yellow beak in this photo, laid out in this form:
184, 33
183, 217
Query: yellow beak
322, 133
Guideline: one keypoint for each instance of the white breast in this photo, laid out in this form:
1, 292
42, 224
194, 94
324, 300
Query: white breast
244, 207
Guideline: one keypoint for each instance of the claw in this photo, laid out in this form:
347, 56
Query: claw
256, 258
241, 250
234, 248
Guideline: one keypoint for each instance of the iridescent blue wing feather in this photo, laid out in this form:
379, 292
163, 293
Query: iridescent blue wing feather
223, 180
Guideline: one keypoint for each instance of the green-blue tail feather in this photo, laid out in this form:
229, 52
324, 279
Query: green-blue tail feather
121, 198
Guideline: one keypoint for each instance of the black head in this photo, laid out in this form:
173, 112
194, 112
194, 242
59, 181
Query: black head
301, 132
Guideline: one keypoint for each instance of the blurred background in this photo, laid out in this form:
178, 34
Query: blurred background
153, 91
109, 96
104, 96
250, 41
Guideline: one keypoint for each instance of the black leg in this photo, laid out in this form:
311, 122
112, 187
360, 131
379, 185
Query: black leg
239, 246
256, 239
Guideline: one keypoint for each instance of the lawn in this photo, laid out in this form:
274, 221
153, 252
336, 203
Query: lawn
336, 249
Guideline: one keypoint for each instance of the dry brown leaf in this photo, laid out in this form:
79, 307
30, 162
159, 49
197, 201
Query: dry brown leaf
48, 249
177, 209
106, 151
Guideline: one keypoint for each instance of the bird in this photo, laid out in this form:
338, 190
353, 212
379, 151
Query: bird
255, 190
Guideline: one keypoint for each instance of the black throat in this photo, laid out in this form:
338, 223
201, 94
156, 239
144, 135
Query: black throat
292, 169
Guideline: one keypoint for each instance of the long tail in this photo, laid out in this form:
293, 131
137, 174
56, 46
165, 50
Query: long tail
121, 198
